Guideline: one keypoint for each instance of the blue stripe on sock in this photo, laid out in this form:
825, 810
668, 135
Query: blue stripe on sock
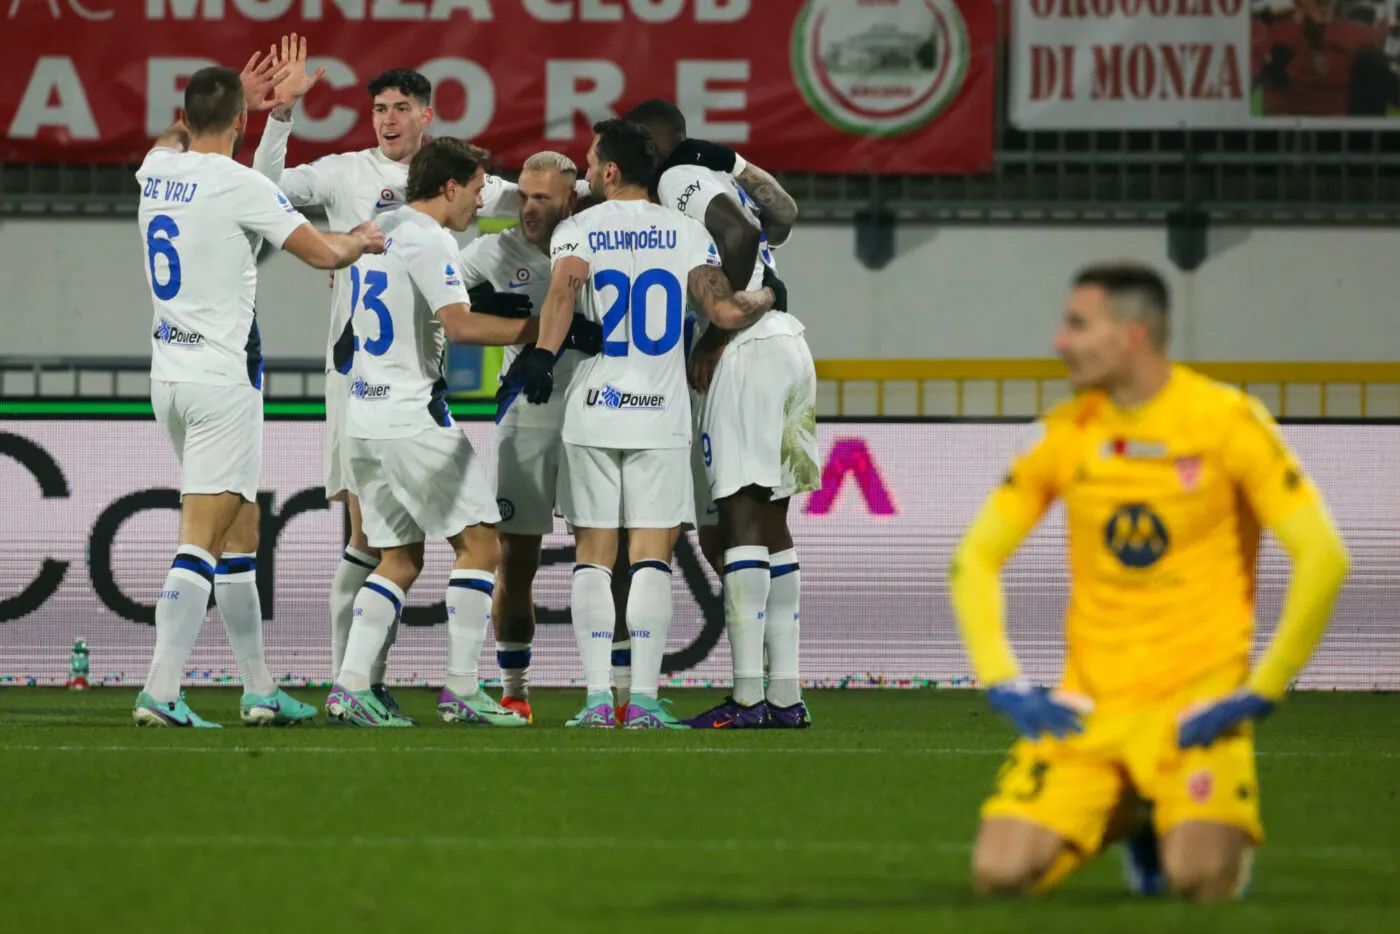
622, 658
386, 594
354, 560
650, 563
191, 563
745, 565
518, 658
473, 583
236, 566
780, 570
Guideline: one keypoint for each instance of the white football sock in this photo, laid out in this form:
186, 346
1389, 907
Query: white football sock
782, 627
236, 592
745, 605
591, 606
513, 658
179, 614
468, 618
381, 662
622, 670
377, 606
648, 623
350, 575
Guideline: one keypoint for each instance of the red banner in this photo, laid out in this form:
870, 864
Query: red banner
884, 86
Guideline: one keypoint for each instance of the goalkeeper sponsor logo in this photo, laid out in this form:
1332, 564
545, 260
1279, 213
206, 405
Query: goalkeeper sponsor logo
880, 69
609, 396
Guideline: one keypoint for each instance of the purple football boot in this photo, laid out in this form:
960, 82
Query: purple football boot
795, 717
731, 715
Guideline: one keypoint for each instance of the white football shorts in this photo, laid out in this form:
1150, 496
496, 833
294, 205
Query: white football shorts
431, 485
758, 422
338, 479
530, 471
628, 489
217, 435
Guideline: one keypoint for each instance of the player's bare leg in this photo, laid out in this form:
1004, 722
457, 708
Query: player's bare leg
205, 520
513, 614
622, 644
745, 572
1206, 861
236, 592
470, 592
712, 547
1017, 857
377, 607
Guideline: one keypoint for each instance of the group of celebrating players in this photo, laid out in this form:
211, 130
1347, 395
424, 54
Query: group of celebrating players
590, 294
625, 414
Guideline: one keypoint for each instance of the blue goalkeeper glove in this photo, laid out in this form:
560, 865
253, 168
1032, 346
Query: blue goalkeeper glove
1204, 727
1033, 710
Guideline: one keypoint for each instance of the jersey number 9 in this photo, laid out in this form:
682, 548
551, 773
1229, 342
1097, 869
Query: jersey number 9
375, 282
160, 234
634, 297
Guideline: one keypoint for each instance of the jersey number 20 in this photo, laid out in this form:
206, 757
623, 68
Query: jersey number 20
633, 297
375, 282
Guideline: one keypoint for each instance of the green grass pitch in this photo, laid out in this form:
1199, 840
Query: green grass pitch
860, 824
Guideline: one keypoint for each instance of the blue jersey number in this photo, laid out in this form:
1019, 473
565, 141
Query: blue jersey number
160, 233
635, 297
375, 282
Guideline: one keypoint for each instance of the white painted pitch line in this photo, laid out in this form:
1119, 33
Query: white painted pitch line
613, 750
1389, 857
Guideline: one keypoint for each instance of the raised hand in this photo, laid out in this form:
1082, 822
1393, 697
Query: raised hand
297, 83
259, 77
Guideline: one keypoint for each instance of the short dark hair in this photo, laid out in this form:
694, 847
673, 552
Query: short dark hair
1136, 290
213, 100
440, 161
630, 147
663, 118
407, 82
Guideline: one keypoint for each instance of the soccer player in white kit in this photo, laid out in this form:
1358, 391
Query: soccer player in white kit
416, 473
203, 217
528, 438
627, 424
352, 187
757, 429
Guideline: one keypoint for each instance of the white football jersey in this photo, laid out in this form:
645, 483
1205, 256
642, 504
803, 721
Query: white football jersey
512, 264
203, 218
353, 187
640, 255
398, 388
690, 189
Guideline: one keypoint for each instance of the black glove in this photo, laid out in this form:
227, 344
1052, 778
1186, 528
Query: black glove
771, 280
531, 375
703, 153
487, 301
585, 336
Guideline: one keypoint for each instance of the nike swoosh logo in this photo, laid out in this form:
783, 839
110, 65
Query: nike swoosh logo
384, 204
723, 724
518, 285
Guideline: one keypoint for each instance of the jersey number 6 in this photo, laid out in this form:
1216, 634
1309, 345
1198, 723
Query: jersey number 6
375, 282
633, 296
160, 234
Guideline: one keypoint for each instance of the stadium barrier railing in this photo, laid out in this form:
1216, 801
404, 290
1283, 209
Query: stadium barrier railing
846, 388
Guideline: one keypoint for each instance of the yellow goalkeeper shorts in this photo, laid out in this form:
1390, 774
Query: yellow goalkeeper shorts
1073, 786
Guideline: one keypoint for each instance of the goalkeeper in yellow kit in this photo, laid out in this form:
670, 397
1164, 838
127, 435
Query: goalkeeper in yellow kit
1167, 480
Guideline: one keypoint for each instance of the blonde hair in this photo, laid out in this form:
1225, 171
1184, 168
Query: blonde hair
551, 161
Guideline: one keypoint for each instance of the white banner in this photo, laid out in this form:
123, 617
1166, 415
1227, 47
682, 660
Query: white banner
1203, 64
90, 525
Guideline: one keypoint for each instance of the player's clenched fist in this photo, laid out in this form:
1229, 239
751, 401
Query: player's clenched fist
371, 236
